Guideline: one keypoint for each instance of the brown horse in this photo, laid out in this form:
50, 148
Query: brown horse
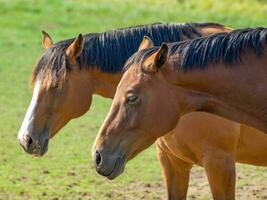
71, 71
196, 75
214, 143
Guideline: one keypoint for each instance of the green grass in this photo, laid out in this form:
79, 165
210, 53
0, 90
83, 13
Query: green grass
66, 172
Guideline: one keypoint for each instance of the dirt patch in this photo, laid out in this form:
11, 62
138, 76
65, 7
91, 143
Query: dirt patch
250, 186
138, 190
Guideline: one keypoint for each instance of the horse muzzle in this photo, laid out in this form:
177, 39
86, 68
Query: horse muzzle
109, 165
33, 145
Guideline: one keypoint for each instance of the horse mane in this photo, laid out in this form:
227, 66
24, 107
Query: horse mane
109, 50
198, 53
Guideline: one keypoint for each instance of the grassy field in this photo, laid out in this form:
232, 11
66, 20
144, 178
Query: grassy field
66, 171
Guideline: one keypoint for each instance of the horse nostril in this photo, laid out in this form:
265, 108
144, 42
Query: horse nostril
98, 158
30, 141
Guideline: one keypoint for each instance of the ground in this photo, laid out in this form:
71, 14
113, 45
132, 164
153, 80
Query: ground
66, 171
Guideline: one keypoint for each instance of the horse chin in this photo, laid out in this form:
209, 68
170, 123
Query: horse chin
118, 169
40, 154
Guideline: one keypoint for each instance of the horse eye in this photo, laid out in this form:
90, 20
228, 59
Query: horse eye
132, 99
53, 88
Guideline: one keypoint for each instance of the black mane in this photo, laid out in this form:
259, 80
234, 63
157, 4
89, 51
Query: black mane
109, 50
200, 52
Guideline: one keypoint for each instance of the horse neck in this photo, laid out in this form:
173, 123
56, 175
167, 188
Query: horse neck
235, 92
104, 83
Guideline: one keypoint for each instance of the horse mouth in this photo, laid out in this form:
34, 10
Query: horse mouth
117, 169
41, 152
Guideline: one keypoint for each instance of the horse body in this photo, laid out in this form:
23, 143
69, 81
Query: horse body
214, 143
251, 147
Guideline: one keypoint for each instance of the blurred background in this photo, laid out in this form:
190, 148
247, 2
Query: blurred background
66, 171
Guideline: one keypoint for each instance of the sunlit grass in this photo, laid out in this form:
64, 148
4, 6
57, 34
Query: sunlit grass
67, 171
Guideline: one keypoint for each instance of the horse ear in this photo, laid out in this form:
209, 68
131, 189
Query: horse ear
157, 60
76, 47
146, 43
46, 40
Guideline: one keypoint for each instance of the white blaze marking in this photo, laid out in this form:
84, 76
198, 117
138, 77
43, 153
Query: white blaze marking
25, 126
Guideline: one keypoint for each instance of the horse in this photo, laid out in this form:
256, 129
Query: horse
161, 84
214, 143
70, 72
